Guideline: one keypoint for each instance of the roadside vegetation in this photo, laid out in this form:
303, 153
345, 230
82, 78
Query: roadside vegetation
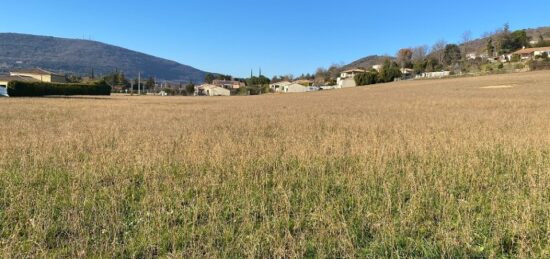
454, 168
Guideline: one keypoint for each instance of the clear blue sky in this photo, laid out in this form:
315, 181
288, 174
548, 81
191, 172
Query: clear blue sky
280, 36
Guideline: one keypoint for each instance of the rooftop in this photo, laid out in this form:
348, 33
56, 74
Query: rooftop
531, 50
17, 78
35, 71
355, 70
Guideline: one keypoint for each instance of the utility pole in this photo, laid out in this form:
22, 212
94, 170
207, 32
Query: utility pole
139, 83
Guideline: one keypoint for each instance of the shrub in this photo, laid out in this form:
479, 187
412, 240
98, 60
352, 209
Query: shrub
190, 89
30, 89
539, 65
242, 91
519, 66
368, 78
389, 72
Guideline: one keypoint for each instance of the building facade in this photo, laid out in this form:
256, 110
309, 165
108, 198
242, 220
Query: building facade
40, 74
347, 78
288, 87
211, 90
530, 53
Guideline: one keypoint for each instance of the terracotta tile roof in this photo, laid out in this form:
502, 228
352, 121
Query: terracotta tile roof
531, 50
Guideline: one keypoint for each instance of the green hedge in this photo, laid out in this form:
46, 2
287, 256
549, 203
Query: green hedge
20, 89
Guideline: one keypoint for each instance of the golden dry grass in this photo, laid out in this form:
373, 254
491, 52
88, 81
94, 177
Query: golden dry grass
435, 168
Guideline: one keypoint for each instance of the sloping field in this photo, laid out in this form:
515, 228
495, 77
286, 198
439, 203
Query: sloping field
435, 168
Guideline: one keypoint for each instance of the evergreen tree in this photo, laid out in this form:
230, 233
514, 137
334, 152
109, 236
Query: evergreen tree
452, 54
388, 73
150, 84
190, 89
209, 78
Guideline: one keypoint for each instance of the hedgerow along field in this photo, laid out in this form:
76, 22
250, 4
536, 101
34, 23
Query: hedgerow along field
435, 168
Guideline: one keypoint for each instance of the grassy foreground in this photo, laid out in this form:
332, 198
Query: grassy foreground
434, 169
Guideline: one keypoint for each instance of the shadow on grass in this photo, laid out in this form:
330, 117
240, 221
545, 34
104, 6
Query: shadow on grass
79, 97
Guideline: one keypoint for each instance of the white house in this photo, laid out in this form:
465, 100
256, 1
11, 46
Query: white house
288, 87
347, 78
212, 90
378, 68
471, 56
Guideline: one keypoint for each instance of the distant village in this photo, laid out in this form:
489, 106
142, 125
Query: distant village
503, 52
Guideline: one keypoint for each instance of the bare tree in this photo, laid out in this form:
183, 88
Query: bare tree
438, 50
419, 53
466, 39
334, 71
320, 75
404, 57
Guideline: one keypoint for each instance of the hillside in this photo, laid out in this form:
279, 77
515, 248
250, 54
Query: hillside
476, 45
367, 62
80, 56
480, 45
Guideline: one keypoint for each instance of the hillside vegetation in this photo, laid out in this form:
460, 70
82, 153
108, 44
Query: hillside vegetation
82, 56
453, 168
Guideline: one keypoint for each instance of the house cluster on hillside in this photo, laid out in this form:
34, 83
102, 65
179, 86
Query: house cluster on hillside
523, 54
347, 77
228, 87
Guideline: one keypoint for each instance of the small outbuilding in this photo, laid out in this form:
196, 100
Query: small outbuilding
212, 90
288, 87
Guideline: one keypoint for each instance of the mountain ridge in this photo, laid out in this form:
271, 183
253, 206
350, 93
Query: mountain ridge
77, 56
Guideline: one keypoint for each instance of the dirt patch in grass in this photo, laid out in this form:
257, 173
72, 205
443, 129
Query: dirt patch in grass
498, 87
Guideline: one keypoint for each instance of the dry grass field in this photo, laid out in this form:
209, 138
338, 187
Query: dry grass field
435, 168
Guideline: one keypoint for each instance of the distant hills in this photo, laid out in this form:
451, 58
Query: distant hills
367, 62
476, 45
73, 56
